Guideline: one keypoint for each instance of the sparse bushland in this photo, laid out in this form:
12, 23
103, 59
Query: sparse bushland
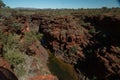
13, 52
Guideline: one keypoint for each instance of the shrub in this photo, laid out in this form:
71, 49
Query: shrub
92, 31
74, 49
17, 60
3, 38
16, 25
94, 78
84, 24
1, 20
11, 42
14, 56
29, 38
5, 13
2, 4
39, 36
20, 70
12, 52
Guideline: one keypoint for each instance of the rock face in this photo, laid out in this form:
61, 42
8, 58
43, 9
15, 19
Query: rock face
93, 54
38, 50
64, 36
102, 63
36, 63
106, 23
103, 51
4, 63
48, 77
5, 71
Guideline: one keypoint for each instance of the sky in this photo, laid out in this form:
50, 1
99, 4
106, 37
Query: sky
61, 3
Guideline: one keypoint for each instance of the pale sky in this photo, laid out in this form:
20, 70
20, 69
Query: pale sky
62, 3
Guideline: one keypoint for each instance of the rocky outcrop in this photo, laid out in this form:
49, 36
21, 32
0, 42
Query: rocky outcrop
4, 63
47, 77
6, 71
37, 50
103, 52
95, 53
106, 23
64, 35
36, 63
101, 62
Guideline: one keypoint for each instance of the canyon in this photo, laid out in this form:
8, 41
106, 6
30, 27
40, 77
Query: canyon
89, 45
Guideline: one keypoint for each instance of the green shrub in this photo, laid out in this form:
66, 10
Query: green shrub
20, 70
14, 56
16, 25
29, 38
5, 13
1, 20
3, 38
74, 49
12, 53
39, 36
94, 78
84, 24
11, 42
92, 31
17, 59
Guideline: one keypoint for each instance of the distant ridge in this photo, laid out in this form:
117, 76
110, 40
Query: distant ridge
23, 8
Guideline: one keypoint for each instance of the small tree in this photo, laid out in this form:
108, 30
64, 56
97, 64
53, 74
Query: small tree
2, 4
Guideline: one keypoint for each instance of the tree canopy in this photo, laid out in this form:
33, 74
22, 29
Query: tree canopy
2, 4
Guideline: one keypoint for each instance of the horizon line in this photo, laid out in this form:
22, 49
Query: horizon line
63, 8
